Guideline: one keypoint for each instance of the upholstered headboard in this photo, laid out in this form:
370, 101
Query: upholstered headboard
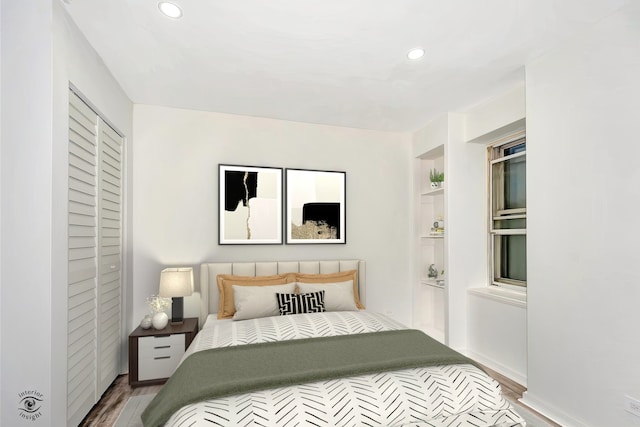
205, 300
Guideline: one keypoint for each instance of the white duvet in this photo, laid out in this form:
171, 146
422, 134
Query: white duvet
452, 395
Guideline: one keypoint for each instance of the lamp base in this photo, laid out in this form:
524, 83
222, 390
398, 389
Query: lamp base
177, 311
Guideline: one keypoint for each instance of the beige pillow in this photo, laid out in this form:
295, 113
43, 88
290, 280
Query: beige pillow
330, 278
337, 296
227, 306
258, 301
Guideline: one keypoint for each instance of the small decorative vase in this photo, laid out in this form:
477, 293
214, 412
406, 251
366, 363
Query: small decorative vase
435, 185
160, 320
146, 322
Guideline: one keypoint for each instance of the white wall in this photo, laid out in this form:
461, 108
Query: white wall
496, 116
75, 62
465, 217
466, 227
433, 134
495, 331
0, 209
34, 170
583, 106
26, 206
175, 211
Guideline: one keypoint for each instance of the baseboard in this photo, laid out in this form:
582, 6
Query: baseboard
518, 377
550, 411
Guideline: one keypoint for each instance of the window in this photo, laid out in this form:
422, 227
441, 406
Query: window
508, 212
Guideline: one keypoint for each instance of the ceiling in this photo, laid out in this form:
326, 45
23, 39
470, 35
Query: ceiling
334, 62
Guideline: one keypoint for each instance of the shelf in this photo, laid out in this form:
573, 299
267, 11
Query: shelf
436, 283
435, 192
433, 236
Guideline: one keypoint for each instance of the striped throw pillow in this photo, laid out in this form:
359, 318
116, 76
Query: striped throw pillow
312, 302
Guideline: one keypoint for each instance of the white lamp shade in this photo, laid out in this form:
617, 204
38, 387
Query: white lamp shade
176, 282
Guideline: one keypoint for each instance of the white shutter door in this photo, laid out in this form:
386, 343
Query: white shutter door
95, 242
109, 244
82, 259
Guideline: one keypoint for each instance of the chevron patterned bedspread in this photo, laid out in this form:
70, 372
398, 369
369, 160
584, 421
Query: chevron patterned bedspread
453, 395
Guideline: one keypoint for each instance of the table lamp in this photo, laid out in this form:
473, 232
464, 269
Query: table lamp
176, 283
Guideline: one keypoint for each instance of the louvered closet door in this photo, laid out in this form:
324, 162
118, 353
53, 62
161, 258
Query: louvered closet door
110, 234
95, 242
83, 260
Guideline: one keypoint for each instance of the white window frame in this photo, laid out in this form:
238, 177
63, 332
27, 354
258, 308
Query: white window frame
518, 213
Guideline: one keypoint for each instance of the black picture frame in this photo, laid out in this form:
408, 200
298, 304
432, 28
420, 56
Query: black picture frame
315, 206
250, 205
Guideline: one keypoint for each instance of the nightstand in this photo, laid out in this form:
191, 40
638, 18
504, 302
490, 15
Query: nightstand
155, 354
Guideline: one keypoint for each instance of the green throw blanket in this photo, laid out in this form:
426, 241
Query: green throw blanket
226, 371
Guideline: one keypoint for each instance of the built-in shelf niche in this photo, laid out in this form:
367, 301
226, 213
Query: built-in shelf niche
430, 292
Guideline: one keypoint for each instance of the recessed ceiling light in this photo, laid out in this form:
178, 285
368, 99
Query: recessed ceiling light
170, 9
415, 53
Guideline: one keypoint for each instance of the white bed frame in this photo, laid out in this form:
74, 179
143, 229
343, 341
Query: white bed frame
205, 299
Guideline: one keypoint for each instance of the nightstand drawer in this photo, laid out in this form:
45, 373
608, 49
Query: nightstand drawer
159, 356
160, 345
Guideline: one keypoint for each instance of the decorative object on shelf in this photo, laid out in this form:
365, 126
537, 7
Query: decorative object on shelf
176, 283
436, 178
146, 322
432, 273
316, 206
438, 228
158, 305
249, 205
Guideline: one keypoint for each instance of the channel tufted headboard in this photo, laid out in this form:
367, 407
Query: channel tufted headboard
205, 299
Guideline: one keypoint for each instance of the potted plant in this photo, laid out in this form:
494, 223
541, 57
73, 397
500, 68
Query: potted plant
437, 178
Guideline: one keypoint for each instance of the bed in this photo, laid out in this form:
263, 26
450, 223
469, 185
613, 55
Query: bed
327, 362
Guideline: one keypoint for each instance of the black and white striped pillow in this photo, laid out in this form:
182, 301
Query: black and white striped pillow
312, 302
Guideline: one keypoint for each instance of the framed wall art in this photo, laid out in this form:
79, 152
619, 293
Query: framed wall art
315, 206
249, 205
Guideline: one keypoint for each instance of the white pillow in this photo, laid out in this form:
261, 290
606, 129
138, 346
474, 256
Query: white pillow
258, 301
337, 296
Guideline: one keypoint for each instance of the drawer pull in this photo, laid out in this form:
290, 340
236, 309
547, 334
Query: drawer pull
162, 346
162, 357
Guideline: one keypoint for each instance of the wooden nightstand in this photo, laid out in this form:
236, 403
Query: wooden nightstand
155, 354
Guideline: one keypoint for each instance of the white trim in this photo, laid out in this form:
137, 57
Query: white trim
514, 216
509, 157
554, 414
506, 139
508, 231
502, 294
518, 377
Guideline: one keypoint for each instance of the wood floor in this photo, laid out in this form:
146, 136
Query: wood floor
514, 391
106, 411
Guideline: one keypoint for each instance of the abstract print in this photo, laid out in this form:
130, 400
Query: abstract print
251, 205
315, 206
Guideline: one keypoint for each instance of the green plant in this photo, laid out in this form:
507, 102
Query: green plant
436, 176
